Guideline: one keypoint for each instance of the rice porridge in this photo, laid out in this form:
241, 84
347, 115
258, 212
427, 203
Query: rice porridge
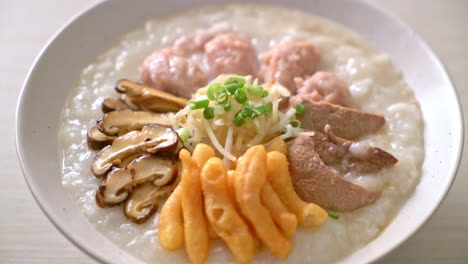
375, 86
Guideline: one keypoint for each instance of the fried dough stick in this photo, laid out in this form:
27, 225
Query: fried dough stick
221, 213
250, 177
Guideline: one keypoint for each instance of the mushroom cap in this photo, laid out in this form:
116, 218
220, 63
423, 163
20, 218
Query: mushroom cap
146, 168
150, 98
112, 104
98, 140
152, 138
143, 202
122, 121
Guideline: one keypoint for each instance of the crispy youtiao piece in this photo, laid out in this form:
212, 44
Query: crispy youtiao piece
221, 213
201, 154
171, 222
308, 214
286, 220
278, 145
231, 174
195, 225
250, 177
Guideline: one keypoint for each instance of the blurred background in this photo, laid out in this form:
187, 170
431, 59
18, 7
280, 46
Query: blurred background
27, 236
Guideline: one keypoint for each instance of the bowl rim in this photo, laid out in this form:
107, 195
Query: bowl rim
379, 10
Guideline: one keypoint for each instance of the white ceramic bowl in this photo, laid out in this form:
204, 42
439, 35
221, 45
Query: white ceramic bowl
57, 70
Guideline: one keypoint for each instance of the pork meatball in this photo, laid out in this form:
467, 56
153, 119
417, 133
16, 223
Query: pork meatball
168, 70
195, 42
325, 86
289, 60
231, 53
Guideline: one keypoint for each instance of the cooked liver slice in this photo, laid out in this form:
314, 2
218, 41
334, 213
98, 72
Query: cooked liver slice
346, 155
315, 182
346, 122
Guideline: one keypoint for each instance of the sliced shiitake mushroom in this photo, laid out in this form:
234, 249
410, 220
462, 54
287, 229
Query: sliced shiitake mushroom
150, 98
112, 104
114, 189
152, 138
147, 168
123, 121
97, 140
143, 201
126, 161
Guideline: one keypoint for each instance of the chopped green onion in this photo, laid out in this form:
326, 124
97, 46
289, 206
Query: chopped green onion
184, 134
246, 112
262, 109
222, 98
239, 120
208, 113
199, 104
256, 112
214, 90
235, 79
269, 107
295, 123
254, 90
265, 93
283, 132
232, 87
240, 96
227, 107
300, 109
333, 214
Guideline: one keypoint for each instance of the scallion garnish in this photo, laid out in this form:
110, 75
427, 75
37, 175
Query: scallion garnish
227, 107
295, 123
300, 109
199, 104
333, 214
239, 120
240, 96
265, 93
236, 79
232, 87
262, 109
208, 113
254, 90
269, 107
184, 134
222, 98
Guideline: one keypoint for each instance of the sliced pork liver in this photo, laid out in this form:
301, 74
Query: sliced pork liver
345, 155
315, 182
346, 122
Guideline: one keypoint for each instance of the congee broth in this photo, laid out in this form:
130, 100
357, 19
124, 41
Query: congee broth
241, 123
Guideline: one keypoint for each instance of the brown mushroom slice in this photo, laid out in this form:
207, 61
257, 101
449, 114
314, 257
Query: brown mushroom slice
143, 201
123, 121
112, 104
97, 140
114, 189
346, 122
152, 138
151, 168
126, 161
150, 98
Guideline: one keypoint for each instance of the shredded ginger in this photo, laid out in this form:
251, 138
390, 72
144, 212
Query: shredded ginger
231, 140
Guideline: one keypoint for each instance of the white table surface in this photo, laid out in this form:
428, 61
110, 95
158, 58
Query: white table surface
26, 235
